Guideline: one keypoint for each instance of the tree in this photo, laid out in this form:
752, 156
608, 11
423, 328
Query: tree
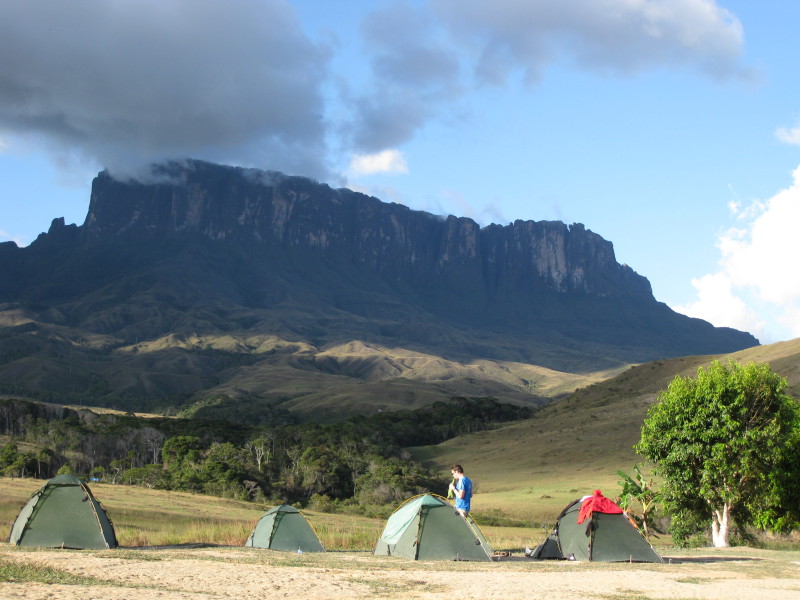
390, 480
153, 439
14, 463
261, 447
179, 449
66, 469
44, 458
150, 476
182, 456
223, 468
726, 444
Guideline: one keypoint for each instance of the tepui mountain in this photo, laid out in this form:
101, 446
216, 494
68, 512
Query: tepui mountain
222, 290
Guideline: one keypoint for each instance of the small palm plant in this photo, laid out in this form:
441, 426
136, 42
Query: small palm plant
639, 490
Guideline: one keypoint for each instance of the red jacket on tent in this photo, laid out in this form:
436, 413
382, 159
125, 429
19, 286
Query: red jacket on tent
597, 503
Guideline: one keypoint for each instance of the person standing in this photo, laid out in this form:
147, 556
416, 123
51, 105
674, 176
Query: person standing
462, 490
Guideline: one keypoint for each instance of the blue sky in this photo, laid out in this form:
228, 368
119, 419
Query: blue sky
670, 128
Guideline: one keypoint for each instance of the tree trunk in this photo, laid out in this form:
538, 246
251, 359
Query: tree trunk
720, 526
646, 529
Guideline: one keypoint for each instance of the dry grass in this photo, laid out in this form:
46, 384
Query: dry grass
526, 471
145, 517
531, 469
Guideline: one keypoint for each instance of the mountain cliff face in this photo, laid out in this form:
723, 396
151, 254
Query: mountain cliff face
208, 253
222, 204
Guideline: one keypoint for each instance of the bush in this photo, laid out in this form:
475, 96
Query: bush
322, 503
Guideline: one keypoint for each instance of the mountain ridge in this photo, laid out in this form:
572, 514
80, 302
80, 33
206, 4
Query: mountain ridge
209, 251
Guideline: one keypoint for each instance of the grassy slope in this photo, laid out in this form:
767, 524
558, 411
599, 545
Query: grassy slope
336, 380
531, 469
528, 470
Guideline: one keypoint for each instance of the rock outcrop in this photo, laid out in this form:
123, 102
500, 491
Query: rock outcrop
196, 200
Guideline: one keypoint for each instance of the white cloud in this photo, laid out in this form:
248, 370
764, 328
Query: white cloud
762, 255
7, 237
791, 319
388, 161
492, 213
461, 206
718, 304
606, 36
788, 136
757, 267
427, 57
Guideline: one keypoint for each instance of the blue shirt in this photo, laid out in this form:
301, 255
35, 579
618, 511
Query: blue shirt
465, 483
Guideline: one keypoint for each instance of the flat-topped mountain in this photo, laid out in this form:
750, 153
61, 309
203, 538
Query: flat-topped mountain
209, 280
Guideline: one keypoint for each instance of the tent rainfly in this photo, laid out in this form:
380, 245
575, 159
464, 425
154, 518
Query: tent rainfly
595, 528
427, 527
284, 528
63, 514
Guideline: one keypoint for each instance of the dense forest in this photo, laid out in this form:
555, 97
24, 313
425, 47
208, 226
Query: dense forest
360, 462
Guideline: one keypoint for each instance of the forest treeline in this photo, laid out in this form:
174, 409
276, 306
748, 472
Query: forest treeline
361, 461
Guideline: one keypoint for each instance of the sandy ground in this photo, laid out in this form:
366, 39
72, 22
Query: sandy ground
223, 573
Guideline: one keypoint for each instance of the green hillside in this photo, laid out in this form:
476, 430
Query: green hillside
224, 375
526, 470
534, 467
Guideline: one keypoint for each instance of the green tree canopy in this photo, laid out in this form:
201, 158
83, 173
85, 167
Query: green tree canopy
727, 445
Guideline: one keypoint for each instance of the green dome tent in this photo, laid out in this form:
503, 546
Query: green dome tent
595, 528
284, 528
427, 527
63, 514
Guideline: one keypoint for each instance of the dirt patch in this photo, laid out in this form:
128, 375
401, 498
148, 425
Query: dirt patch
211, 573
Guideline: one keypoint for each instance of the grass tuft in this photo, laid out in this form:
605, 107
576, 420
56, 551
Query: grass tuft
12, 571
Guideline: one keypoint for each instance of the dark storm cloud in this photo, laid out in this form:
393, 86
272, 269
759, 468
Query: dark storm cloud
126, 81
414, 71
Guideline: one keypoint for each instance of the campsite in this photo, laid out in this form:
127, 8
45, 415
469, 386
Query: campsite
180, 546
174, 544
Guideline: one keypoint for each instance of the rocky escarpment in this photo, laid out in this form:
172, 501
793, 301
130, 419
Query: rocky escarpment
207, 251
201, 200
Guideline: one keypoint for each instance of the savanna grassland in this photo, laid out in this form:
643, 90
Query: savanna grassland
182, 545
